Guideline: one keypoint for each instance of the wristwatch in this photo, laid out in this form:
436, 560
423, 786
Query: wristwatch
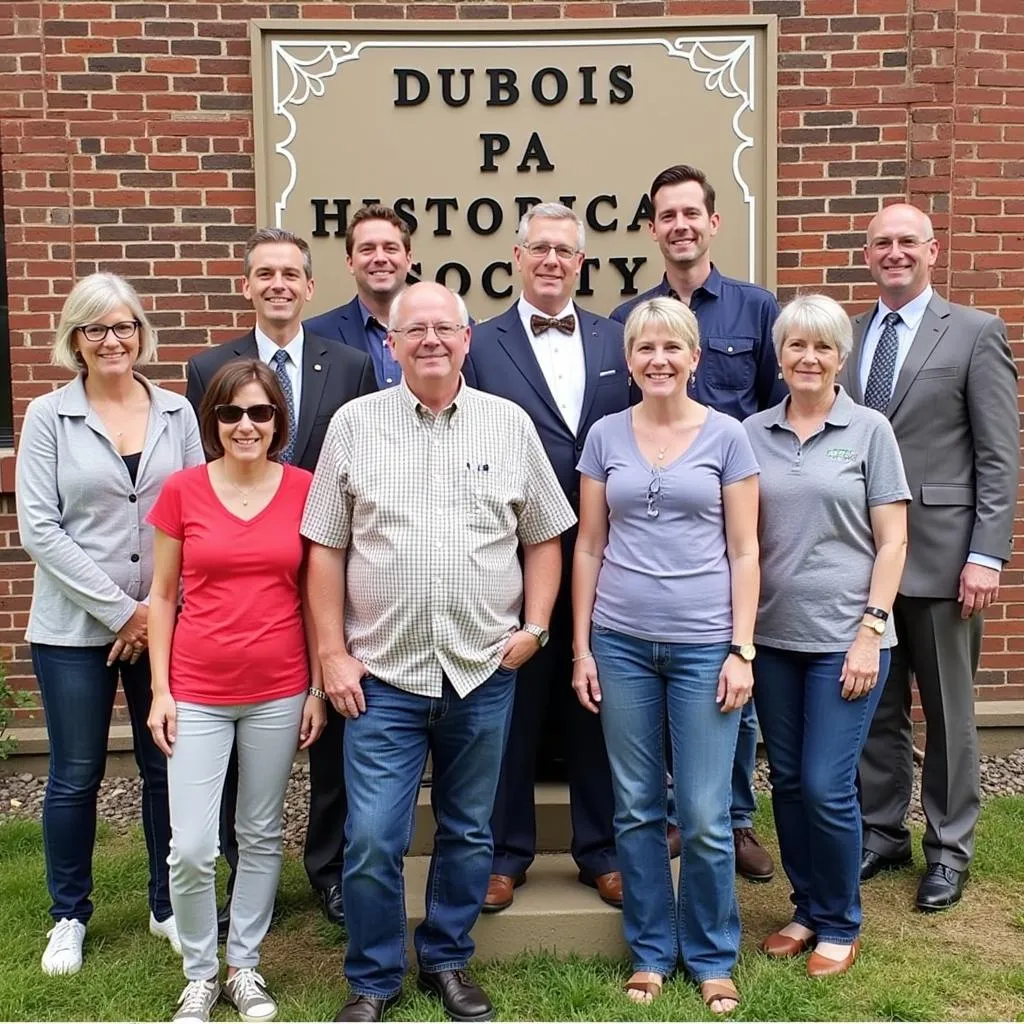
538, 631
876, 625
745, 651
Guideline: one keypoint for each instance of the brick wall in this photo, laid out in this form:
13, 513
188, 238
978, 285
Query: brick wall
127, 141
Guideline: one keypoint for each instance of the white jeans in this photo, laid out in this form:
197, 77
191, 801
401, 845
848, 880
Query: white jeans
267, 736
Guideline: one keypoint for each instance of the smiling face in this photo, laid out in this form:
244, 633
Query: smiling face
430, 362
682, 226
809, 364
277, 286
246, 441
112, 356
661, 362
379, 260
549, 280
900, 253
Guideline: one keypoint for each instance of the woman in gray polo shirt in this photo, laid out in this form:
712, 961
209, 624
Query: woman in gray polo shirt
833, 538
92, 458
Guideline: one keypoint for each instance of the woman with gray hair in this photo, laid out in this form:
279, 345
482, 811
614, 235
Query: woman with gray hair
92, 458
833, 538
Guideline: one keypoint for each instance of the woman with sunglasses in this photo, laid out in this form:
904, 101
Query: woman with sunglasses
92, 458
665, 584
233, 667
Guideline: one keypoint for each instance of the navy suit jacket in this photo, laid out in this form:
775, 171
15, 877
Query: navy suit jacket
343, 323
501, 362
331, 376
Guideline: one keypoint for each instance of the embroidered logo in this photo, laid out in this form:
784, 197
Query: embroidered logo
841, 454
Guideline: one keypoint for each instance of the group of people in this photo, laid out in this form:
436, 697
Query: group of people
387, 533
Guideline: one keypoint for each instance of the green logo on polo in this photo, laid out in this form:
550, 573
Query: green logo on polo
841, 454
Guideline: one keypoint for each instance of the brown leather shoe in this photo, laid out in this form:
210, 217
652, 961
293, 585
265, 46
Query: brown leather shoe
500, 892
675, 843
780, 946
752, 860
608, 886
821, 967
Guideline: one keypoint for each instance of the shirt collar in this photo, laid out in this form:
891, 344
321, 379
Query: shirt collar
420, 409
267, 348
911, 312
527, 309
838, 416
712, 285
366, 316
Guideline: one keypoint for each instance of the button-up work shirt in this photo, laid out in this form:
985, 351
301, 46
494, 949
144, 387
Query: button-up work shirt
906, 330
432, 509
385, 367
293, 367
561, 360
738, 373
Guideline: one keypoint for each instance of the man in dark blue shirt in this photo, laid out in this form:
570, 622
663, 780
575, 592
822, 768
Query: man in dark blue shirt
738, 374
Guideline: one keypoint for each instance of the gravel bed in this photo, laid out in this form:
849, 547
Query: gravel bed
21, 796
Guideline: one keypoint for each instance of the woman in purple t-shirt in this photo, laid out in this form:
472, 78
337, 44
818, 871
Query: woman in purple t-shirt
665, 583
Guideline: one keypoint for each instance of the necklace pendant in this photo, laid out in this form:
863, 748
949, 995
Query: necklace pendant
245, 501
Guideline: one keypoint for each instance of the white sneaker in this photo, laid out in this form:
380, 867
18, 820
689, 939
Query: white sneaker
196, 1001
247, 990
166, 930
64, 950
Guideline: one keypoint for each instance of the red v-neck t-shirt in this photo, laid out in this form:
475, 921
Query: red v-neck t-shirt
239, 638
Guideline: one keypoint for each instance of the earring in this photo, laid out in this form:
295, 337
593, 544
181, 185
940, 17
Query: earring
693, 378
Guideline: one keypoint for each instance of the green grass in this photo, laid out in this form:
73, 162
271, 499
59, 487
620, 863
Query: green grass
965, 964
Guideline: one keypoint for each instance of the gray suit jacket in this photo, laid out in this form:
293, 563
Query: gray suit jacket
954, 411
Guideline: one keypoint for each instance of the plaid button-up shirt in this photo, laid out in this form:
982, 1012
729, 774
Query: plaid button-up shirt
432, 510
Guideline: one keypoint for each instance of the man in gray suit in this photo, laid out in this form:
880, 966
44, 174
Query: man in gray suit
944, 376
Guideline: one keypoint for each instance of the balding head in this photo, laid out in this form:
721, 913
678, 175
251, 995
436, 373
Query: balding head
900, 252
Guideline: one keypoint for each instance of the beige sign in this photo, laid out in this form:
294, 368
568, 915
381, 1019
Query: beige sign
462, 129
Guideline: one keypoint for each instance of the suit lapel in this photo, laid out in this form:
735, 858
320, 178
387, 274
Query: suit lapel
352, 331
245, 347
860, 328
514, 341
931, 328
592, 342
315, 367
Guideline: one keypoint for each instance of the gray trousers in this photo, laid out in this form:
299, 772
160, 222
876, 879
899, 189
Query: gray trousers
941, 650
267, 736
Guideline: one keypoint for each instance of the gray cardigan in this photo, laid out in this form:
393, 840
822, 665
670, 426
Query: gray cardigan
81, 519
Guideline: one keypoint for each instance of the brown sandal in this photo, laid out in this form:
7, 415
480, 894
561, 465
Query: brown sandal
647, 985
712, 991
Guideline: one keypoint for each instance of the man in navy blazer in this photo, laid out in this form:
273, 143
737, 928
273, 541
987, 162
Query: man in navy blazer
567, 369
378, 256
323, 376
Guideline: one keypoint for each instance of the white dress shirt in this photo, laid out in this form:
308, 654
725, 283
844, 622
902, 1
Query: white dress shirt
906, 331
293, 367
561, 361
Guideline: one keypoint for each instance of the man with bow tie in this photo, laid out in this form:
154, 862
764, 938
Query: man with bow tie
567, 369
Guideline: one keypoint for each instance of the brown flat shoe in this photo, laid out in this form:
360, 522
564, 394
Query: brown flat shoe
675, 841
716, 990
821, 967
644, 987
781, 946
500, 892
608, 886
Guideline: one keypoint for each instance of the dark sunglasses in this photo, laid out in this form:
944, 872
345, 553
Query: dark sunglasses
230, 414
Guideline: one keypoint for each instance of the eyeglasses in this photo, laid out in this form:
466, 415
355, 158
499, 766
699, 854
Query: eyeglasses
98, 332
418, 332
654, 495
539, 250
230, 414
883, 245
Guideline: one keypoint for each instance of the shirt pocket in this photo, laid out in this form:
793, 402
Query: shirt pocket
728, 363
486, 497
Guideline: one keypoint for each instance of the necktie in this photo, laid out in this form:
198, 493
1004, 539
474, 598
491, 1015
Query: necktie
539, 324
878, 390
280, 362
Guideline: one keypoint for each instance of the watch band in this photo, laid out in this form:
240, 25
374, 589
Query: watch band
878, 613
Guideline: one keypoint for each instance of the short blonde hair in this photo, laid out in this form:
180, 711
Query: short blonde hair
676, 317
820, 317
95, 296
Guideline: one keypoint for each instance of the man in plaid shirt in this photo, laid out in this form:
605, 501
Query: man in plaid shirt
423, 495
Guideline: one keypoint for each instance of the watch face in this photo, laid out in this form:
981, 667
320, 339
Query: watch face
747, 652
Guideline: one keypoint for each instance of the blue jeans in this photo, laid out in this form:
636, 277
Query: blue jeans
645, 686
743, 803
814, 740
78, 692
385, 751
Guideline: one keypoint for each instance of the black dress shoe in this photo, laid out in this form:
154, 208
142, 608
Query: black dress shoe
224, 920
462, 997
367, 1007
331, 904
941, 888
873, 863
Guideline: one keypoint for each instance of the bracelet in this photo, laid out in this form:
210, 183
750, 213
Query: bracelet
314, 692
583, 656
877, 613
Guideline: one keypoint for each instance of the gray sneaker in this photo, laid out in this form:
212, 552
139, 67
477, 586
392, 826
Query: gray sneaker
247, 991
196, 1001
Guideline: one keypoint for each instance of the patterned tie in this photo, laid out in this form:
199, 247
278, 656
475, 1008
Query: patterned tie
883, 365
280, 362
539, 324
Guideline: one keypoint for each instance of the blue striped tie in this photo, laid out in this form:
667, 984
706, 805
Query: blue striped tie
280, 362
